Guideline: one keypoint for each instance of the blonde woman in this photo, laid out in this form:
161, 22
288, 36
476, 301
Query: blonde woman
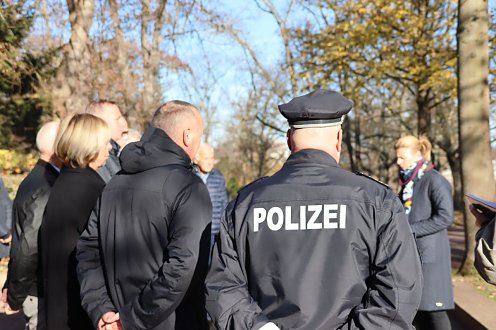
82, 144
428, 203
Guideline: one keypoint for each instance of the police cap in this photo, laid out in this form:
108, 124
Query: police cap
321, 108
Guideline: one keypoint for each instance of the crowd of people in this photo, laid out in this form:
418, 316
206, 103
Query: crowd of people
113, 230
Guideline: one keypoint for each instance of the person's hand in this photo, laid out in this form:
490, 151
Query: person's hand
6, 240
6, 307
481, 217
3, 300
110, 321
8, 310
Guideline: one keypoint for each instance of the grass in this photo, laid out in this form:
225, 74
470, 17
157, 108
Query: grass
478, 283
473, 278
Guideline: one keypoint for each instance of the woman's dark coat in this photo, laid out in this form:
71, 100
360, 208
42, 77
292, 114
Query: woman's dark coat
430, 217
71, 200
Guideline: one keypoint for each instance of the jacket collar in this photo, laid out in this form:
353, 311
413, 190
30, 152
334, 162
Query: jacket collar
87, 170
314, 156
47, 166
115, 148
155, 149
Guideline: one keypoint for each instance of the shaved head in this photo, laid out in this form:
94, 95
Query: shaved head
183, 124
173, 115
45, 139
327, 139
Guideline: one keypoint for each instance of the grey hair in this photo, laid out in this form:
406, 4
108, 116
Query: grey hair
170, 115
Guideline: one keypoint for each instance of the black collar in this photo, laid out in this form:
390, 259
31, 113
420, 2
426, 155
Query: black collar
48, 167
85, 170
314, 156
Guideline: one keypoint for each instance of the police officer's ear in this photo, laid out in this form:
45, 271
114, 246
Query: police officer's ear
339, 140
288, 139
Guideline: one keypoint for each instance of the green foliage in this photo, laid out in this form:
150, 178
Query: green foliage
411, 43
16, 162
397, 61
21, 107
232, 187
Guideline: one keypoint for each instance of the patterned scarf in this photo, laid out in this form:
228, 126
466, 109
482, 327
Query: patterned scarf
408, 178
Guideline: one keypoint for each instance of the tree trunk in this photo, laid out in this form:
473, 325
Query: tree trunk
122, 58
454, 164
348, 143
73, 86
473, 111
151, 95
424, 116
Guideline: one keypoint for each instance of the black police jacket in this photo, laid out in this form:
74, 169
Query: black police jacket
314, 247
145, 251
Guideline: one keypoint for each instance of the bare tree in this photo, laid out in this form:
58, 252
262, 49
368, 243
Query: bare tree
150, 46
72, 83
473, 110
122, 60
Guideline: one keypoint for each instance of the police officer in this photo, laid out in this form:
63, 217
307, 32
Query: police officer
314, 246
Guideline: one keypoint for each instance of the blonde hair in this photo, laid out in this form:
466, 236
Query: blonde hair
80, 138
421, 144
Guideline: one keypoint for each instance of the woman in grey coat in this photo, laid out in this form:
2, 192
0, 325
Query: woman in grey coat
428, 203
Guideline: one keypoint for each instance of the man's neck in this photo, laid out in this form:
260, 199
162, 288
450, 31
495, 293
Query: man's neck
45, 158
203, 176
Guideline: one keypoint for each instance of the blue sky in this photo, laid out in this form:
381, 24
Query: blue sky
225, 56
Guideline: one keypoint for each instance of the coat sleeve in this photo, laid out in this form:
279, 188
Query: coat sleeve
95, 298
394, 287
485, 252
189, 232
6, 209
442, 210
23, 267
228, 300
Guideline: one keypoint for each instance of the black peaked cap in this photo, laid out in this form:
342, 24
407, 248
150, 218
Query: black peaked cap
316, 109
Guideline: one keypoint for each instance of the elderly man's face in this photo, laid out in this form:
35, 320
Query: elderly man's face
117, 123
205, 159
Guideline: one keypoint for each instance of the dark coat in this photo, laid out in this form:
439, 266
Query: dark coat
314, 247
5, 218
112, 165
485, 251
430, 217
29, 205
71, 200
145, 251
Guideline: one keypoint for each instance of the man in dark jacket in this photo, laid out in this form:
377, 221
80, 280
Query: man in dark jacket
110, 112
143, 258
23, 286
216, 185
314, 246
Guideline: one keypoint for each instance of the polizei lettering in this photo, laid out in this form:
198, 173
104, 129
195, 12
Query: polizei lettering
309, 217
